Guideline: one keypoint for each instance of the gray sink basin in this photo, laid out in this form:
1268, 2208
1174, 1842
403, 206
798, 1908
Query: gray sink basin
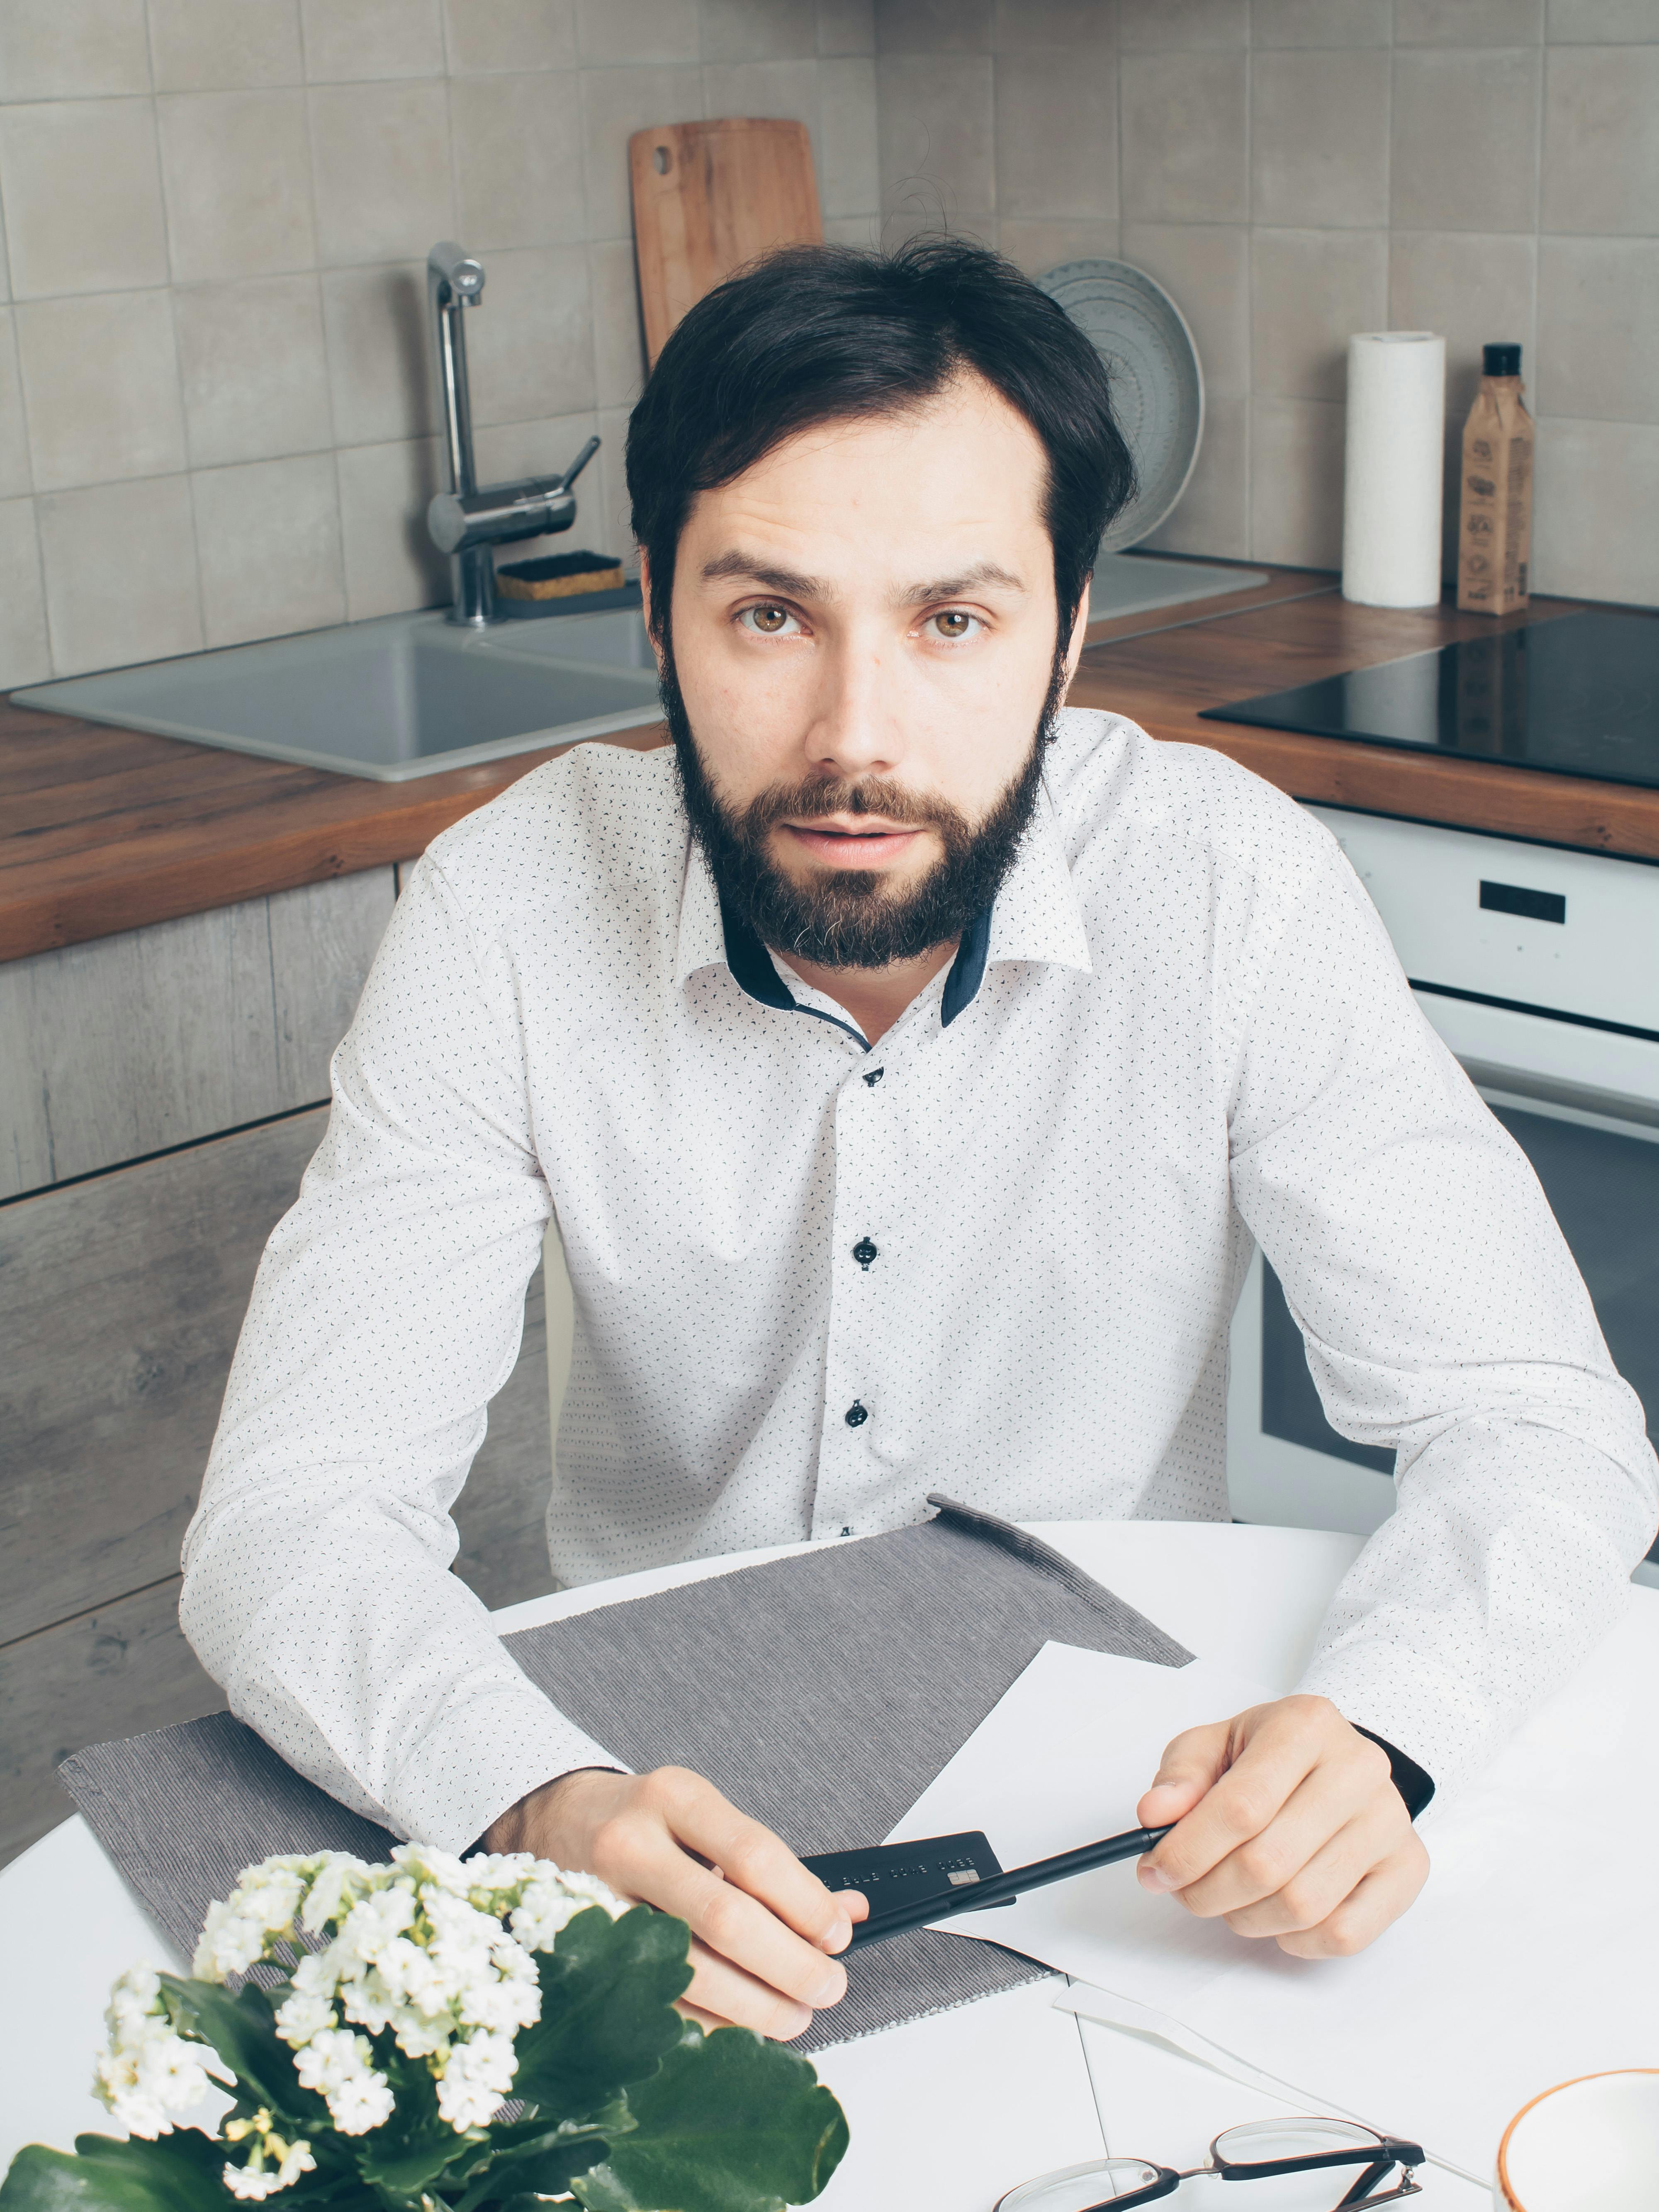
405, 695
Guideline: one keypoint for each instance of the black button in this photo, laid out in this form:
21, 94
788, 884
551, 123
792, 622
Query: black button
856, 1415
874, 1075
845, 1532
864, 1252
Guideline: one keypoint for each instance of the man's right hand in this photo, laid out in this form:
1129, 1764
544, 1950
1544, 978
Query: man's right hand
764, 1930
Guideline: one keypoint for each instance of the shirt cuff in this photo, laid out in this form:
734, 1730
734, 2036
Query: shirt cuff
1415, 1785
484, 1751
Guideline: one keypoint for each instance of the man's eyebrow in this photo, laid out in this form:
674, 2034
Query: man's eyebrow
750, 568
960, 585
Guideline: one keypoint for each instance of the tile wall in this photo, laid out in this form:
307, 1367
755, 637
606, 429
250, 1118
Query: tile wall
1296, 170
215, 415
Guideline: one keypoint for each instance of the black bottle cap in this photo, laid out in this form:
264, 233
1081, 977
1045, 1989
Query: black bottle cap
1500, 361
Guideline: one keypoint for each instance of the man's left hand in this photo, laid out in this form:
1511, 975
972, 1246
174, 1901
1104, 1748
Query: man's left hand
1289, 1825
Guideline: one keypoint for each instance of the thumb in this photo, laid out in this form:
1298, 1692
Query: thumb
1196, 1760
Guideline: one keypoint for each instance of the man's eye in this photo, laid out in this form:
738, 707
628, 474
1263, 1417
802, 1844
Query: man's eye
954, 624
770, 622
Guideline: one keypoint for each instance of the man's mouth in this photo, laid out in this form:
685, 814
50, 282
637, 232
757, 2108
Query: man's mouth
861, 841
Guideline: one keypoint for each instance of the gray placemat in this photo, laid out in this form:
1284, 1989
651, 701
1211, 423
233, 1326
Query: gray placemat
821, 1693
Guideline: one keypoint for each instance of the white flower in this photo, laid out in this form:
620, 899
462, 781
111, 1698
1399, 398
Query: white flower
478, 2076
337, 1879
303, 2014
149, 2072
336, 2064
550, 1899
238, 1931
259, 2178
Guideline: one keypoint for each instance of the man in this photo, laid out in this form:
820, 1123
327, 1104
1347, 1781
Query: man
908, 1066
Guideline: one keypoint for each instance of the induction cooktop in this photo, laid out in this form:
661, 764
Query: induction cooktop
1577, 695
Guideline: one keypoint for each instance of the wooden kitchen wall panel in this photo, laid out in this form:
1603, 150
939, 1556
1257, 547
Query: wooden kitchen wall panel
120, 1302
126, 1045
121, 1670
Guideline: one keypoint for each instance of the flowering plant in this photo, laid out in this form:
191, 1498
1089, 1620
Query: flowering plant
386, 2014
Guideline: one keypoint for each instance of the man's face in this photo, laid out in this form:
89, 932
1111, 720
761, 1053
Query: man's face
863, 640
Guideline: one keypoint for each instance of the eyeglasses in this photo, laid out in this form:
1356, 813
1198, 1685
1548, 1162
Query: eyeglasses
1312, 2159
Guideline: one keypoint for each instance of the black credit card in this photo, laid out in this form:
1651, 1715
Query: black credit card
893, 1874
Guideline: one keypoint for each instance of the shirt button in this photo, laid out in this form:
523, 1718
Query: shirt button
864, 1252
874, 1075
856, 1415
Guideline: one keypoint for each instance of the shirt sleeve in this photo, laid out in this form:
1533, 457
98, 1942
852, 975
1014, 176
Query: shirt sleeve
387, 1311
1445, 1320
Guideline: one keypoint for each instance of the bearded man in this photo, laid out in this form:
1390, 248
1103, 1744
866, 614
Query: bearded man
907, 1064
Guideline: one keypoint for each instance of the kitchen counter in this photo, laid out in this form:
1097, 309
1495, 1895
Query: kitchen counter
103, 830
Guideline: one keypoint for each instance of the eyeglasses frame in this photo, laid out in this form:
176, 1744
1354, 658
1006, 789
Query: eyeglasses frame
1385, 2153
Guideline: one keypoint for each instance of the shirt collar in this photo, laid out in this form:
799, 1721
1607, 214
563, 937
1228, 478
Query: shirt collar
1037, 915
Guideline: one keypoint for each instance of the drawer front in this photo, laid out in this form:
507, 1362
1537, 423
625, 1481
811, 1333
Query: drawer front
1574, 932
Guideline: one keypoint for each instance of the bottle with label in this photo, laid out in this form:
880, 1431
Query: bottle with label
1494, 540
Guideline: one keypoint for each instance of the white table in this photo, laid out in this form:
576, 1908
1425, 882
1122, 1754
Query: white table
945, 2113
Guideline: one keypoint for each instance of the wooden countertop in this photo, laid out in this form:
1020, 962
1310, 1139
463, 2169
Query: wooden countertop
104, 830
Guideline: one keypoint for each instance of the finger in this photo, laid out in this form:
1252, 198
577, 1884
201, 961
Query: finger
1191, 1763
724, 1993
1270, 1764
1361, 1918
755, 1861
1333, 1800
1315, 1890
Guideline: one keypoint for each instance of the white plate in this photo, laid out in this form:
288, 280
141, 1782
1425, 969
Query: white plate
1158, 384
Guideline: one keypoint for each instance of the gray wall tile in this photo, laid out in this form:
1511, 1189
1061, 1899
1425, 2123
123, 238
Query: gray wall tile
1077, 25
82, 194
348, 40
1205, 269
616, 102
267, 536
14, 476
1214, 513
636, 31
1319, 137
1296, 481
237, 171
1467, 22
72, 49
1596, 492
1600, 138
848, 150
1598, 327
1146, 23
1465, 139
759, 30
1592, 22
1038, 244
25, 657
101, 381
847, 26
530, 344
254, 369
205, 46
608, 526
785, 89
379, 367
516, 142
618, 337
1056, 134
934, 26
120, 573
390, 564
1185, 137
381, 153
1322, 22
1310, 290
936, 124
509, 34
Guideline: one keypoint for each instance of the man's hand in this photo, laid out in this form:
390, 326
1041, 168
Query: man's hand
763, 1929
1289, 1825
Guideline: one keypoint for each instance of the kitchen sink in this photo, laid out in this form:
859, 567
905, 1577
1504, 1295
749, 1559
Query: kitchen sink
403, 696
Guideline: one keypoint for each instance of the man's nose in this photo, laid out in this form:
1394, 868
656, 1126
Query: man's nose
857, 724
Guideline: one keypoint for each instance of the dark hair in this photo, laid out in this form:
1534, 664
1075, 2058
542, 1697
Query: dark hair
817, 334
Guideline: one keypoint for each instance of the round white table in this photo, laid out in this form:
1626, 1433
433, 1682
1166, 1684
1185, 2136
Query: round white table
945, 2113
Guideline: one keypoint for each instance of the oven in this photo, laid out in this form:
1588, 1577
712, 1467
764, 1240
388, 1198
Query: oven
1540, 968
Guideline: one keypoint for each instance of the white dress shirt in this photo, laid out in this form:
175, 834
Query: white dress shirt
997, 1256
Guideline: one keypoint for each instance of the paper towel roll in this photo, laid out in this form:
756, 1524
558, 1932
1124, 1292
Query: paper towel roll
1395, 462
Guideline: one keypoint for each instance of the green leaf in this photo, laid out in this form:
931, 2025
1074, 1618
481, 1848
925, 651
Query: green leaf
608, 2017
242, 2029
179, 2173
729, 2123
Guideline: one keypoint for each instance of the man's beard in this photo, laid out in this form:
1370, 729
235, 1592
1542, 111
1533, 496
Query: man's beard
849, 918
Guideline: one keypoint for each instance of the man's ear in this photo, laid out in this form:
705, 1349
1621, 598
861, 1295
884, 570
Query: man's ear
645, 603
1079, 630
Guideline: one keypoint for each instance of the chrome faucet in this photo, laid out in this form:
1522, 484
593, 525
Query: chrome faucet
467, 522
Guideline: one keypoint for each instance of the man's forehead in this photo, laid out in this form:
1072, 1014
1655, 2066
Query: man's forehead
750, 565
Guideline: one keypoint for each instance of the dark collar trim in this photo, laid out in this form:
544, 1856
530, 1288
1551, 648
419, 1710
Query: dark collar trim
753, 971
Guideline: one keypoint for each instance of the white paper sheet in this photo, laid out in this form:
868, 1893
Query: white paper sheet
1532, 1956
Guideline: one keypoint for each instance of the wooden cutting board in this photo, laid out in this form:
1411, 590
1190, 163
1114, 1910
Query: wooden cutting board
707, 196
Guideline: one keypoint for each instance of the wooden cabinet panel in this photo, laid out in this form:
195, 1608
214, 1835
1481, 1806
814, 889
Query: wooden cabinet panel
119, 1048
